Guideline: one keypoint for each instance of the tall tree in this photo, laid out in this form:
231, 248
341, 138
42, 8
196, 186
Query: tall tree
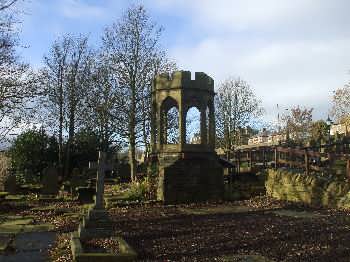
341, 105
105, 102
132, 46
16, 80
297, 124
54, 80
236, 107
318, 132
66, 77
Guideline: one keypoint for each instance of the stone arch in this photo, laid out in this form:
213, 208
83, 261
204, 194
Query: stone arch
172, 126
169, 121
193, 125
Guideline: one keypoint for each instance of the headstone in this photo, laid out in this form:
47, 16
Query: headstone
50, 181
86, 194
100, 182
108, 167
124, 171
10, 184
75, 181
97, 223
28, 176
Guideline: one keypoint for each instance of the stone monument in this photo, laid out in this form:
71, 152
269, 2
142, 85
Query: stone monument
97, 223
50, 181
10, 184
185, 172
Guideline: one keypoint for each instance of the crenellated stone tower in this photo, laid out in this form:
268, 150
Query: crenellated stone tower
186, 172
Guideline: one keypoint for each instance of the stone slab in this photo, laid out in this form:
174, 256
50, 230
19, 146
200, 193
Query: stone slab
30, 247
296, 214
5, 240
215, 210
127, 253
244, 258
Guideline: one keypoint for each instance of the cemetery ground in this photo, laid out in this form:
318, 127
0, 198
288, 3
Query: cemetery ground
258, 229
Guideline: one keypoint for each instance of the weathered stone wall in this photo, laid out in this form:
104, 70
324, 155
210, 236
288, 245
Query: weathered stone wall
311, 189
245, 186
189, 179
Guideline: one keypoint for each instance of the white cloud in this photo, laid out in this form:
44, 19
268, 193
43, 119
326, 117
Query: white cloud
291, 52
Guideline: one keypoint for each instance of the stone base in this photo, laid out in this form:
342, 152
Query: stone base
189, 177
126, 252
95, 224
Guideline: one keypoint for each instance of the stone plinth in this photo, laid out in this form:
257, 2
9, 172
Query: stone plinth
189, 177
95, 224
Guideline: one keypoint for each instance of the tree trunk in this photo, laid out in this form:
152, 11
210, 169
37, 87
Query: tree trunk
60, 131
71, 126
132, 135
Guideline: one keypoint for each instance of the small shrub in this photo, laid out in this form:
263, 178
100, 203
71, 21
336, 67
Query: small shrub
139, 190
117, 188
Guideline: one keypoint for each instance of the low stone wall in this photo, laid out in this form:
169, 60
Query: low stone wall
245, 186
311, 189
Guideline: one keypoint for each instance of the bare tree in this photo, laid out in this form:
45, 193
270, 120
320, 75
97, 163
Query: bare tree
16, 80
66, 77
236, 106
54, 80
104, 103
132, 45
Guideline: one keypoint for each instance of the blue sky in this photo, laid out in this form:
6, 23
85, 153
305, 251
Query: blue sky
291, 52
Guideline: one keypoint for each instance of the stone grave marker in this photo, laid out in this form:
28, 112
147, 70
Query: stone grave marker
10, 184
28, 176
97, 222
50, 181
108, 167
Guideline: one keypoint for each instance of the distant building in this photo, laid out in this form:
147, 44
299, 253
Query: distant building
196, 139
243, 135
338, 129
266, 137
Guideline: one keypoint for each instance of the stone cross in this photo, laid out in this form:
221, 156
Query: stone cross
101, 168
94, 166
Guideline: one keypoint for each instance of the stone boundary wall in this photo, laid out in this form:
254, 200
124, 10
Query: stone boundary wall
311, 189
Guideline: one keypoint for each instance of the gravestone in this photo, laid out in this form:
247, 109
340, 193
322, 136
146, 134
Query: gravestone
50, 181
124, 171
28, 176
85, 194
97, 223
75, 181
108, 167
10, 184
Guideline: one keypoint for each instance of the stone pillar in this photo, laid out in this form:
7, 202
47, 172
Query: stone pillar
153, 127
165, 126
159, 127
211, 126
250, 159
99, 202
182, 124
238, 157
203, 127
